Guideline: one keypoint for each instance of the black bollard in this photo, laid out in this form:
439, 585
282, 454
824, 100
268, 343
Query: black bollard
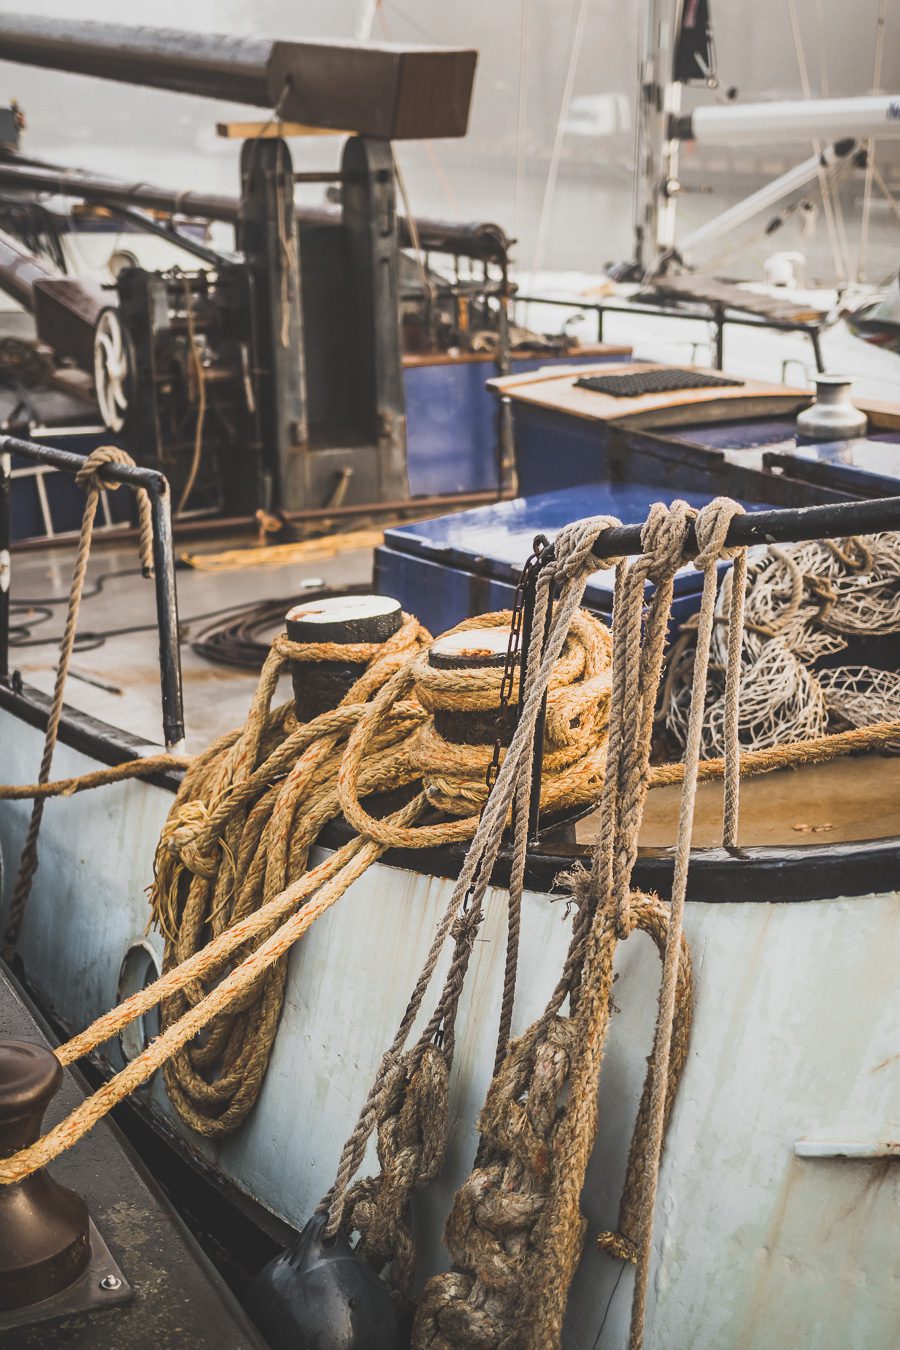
320, 685
473, 649
44, 1227
319, 1295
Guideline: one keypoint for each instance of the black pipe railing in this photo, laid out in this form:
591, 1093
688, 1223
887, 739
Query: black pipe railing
156, 486
836, 520
720, 316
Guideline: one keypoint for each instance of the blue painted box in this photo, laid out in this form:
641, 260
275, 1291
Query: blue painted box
452, 419
447, 569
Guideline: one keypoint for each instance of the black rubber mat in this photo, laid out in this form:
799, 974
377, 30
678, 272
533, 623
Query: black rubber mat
652, 382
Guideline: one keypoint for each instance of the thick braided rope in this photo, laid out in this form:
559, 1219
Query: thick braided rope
711, 527
816, 750
527, 1194
90, 478
573, 565
225, 853
271, 754
331, 886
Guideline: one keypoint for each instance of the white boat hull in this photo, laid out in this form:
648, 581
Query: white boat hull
793, 1053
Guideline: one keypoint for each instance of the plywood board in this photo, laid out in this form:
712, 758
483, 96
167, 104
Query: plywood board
555, 389
848, 800
264, 131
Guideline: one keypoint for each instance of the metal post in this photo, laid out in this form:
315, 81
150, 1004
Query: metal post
267, 236
167, 617
5, 561
370, 222
720, 338
815, 337
157, 488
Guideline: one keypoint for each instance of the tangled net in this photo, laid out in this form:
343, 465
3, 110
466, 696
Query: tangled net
804, 603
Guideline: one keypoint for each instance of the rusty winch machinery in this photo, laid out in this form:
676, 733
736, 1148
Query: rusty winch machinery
270, 376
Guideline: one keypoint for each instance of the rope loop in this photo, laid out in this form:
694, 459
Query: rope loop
711, 526
663, 539
91, 479
573, 547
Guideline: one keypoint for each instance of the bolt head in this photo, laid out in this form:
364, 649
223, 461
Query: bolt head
110, 1283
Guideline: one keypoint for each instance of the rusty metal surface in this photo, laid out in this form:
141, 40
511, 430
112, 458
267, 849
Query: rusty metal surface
19, 271
484, 241
65, 312
376, 89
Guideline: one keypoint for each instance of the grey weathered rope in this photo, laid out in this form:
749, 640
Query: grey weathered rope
573, 564
515, 1231
89, 477
711, 528
732, 787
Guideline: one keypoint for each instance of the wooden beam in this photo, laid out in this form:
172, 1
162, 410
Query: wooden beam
259, 131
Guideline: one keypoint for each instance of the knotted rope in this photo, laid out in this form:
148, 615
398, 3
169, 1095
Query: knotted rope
515, 1232
90, 478
230, 891
379, 1208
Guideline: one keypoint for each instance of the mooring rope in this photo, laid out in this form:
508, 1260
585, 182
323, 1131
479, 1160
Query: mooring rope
232, 894
515, 1233
90, 478
230, 866
407, 1101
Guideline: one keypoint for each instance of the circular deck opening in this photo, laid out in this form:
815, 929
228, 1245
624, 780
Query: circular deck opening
139, 969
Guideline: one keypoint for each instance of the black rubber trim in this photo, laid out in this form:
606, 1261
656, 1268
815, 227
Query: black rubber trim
88, 735
717, 875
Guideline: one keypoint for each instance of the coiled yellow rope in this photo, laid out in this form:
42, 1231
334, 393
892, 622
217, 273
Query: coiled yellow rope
230, 885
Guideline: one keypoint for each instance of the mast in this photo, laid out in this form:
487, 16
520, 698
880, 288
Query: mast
676, 49
656, 153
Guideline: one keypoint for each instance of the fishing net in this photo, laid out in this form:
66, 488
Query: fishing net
805, 603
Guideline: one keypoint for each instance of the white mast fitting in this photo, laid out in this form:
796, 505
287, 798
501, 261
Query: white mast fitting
770, 193
676, 49
875, 116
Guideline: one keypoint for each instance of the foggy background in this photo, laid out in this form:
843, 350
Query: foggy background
586, 221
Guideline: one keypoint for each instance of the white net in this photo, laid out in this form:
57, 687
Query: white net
804, 602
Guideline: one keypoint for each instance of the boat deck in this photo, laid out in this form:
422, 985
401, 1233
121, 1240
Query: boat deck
216, 697
821, 804
176, 1297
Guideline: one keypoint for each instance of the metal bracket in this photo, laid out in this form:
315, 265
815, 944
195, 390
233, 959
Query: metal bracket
874, 1149
101, 1286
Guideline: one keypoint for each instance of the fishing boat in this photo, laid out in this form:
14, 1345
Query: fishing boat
778, 1186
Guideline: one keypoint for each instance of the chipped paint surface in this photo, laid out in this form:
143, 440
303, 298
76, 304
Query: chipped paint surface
795, 1037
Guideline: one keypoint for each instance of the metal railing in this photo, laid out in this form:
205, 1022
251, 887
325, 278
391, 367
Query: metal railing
156, 486
718, 315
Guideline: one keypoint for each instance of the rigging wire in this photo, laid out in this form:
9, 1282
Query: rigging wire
556, 154
870, 151
428, 287
521, 117
200, 376
840, 266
